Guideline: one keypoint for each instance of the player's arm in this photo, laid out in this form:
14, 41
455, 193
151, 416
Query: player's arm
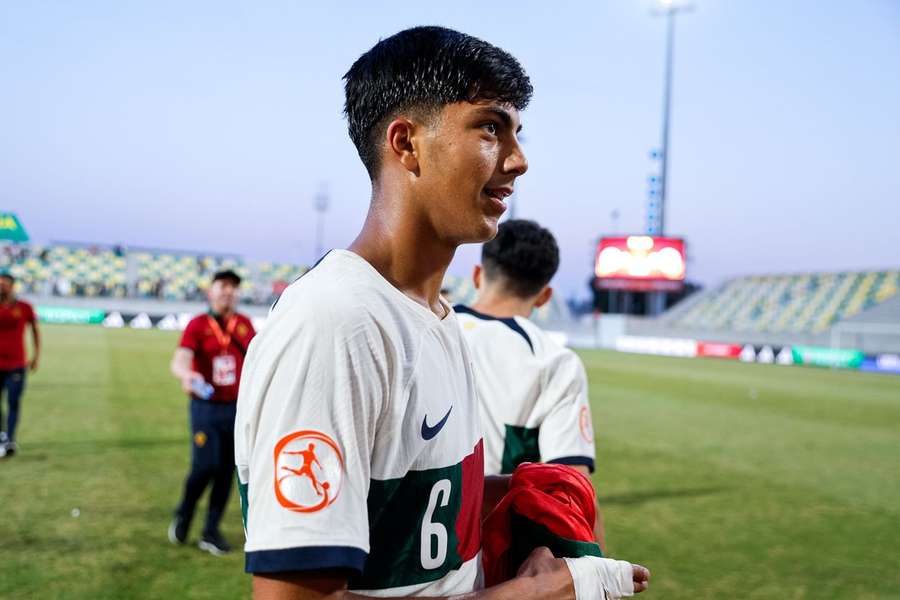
567, 433
35, 344
541, 577
182, 367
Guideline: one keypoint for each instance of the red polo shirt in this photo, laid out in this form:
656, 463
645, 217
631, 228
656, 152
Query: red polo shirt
219, 348
13, 318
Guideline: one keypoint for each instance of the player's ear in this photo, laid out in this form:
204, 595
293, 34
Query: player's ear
544, 296
400, 134
476, 276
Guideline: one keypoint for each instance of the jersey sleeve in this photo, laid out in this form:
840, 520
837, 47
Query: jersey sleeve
190, 337
310, 399
30, 317
567, 434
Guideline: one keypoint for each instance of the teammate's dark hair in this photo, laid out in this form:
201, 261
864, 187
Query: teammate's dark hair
421, 70
7, 275
523, 257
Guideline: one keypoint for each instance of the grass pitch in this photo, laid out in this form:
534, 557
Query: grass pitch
727, 480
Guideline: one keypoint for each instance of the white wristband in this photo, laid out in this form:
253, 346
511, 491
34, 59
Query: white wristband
598, 578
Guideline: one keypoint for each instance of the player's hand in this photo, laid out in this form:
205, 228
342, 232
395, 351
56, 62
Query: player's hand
594, 577
187, 382
640, 575
33, 365
540, 561
550, 573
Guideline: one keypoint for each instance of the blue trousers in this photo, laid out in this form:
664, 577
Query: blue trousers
13, 382
212, 460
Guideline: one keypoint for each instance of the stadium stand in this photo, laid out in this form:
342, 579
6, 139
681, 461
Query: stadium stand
88, 271
91, 271
800, 303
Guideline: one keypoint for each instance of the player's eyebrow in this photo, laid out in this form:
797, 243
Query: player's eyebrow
503, 114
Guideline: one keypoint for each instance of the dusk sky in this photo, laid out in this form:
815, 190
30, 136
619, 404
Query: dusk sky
211, 126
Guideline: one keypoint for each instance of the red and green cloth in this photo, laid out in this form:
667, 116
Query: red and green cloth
547, 505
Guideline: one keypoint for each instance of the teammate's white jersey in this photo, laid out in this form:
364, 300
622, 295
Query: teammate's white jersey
533, 394
357, 438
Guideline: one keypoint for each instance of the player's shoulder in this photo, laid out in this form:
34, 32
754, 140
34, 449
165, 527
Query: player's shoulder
244, 324
243, 319
341, 292
25, 306
565, 367
198, 321
475, 321
550, 347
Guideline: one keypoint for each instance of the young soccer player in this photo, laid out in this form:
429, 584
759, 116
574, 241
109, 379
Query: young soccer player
357, 438
15, 314
532, 391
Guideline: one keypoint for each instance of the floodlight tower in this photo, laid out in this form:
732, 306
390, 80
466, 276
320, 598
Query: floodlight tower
668, 9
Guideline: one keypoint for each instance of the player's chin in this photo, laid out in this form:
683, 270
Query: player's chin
484, 229
489, 219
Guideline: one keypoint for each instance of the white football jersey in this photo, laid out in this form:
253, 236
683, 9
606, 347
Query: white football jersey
357, 438
532, 392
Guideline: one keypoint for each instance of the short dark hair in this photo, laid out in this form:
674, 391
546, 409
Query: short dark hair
523, 257
423, 69
227, 275
7, 275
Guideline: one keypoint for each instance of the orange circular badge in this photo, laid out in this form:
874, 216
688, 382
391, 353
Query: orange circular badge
584, 424
309, 470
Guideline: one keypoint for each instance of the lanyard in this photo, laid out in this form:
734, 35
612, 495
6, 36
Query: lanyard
224, 338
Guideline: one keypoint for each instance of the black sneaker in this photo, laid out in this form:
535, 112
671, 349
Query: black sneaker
214, 543
11, 449
178, 530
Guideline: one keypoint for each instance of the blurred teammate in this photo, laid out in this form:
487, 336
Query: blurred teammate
15, 314
532, 391
362, 365
208, 364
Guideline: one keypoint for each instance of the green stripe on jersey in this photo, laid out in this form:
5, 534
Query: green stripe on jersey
242, 489
405, 514
520, 444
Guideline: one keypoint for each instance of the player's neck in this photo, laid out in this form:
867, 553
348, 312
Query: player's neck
502, 306
404, 249
224, 315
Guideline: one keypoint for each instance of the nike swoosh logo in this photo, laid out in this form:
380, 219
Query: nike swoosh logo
430, 432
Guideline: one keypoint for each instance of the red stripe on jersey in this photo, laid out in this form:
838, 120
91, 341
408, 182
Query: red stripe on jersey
468, 523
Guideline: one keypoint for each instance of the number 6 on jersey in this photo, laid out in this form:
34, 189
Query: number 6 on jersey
434, 553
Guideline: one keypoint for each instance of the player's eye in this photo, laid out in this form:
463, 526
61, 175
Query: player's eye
491, 128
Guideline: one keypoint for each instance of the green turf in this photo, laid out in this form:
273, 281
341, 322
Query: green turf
727, 480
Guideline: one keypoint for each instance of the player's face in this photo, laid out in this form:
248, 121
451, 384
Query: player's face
6, 287
223, 296
469, 160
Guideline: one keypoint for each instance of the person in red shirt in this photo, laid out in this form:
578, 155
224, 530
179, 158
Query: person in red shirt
14, 316
208, 364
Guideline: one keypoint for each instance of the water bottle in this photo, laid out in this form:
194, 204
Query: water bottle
202, 389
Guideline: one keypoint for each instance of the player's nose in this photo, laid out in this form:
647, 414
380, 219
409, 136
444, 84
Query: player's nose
515, 162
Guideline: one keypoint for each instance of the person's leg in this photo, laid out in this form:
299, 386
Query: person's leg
15, 385
224, 475
203, 460
3, 376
